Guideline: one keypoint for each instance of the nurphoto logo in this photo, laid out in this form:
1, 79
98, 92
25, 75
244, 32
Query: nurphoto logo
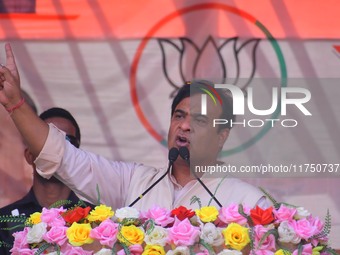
281, 99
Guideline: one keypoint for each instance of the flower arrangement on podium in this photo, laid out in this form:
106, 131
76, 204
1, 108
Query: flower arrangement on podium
234, 229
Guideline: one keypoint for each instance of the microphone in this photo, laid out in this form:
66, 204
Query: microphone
185, 154
172, 156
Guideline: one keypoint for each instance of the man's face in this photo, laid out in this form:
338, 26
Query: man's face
195, 131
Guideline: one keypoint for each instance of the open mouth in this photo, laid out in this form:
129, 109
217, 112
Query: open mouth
182, 141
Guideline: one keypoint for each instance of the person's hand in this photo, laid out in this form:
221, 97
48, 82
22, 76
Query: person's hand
10, 93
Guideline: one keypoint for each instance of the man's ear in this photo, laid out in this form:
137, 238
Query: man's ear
28, 156
223, 136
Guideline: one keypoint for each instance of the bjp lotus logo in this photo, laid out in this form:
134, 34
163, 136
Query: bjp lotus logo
226, 54
219, 59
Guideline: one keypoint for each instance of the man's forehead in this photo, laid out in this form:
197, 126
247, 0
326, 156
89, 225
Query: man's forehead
193, 105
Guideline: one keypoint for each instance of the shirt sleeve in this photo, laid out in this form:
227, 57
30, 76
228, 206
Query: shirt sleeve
93, 177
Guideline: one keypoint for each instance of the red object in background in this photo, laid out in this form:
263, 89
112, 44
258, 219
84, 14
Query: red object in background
17, 6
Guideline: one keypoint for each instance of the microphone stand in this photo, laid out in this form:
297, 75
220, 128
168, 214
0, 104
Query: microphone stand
173, 154
184, 153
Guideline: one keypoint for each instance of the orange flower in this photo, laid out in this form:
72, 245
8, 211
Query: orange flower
262, 217
76, 214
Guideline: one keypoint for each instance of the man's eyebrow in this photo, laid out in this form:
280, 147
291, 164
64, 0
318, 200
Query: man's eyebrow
181, 111
199, 115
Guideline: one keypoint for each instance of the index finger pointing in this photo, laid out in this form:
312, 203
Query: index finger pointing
10, 61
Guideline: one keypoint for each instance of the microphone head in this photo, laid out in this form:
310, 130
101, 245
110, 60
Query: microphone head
173, 154
184, 153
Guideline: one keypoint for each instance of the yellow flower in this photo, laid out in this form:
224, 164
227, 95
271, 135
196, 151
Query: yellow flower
100, 213
130, 235
282, 252
153, 250
207, 213
34, 218
236, 236
79, 234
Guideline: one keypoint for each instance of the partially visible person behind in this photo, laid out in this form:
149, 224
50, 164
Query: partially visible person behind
43, 192
14, 169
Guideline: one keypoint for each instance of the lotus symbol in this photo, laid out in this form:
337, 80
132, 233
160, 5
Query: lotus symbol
220, 59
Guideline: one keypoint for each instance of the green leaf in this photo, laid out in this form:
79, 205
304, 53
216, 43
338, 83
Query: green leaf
43, 248
241, 211
268, 233
4, 244
81, 203
300, 249
219, 184
126, 249
60, 203
196, 199
331, 251
131, 221
191, 250
326, 227
207, 246
251, 233
98, 194
149, 226
272, 199
10, 218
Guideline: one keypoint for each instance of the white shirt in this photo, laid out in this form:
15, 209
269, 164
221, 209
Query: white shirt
117, 184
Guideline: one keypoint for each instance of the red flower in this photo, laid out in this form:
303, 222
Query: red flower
182, 213
76, 214
262, 217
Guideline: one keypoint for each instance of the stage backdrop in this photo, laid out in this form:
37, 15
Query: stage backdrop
117, 64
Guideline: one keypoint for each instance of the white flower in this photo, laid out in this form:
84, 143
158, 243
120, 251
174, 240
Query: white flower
158, 236
287, 233
211, 234
230, 252
35, 234
54, 253
104, 251
301, 213
127, 212
180, 250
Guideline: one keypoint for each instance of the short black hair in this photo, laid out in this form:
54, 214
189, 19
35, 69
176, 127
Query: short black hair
62, 113
194, 87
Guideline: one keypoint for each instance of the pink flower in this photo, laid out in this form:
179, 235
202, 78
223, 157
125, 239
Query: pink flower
53, 216
161, 216
321, 240
183, 233
306, 228
284, 213
317, 223
20, 239
307, 249
230, 214
261, 252
56, 235
268, 243
106, 233
135, 249
23, 251
72, 250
